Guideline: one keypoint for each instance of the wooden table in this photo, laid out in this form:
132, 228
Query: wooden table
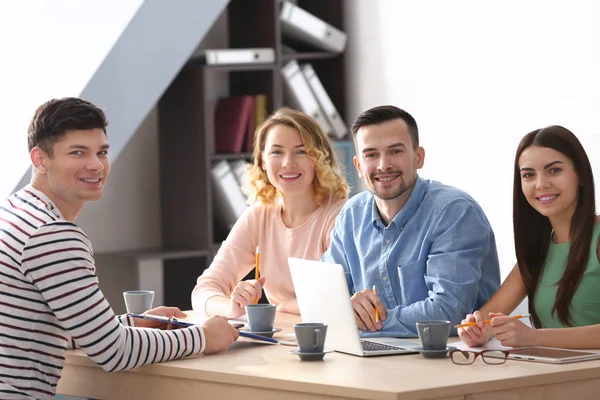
249, 370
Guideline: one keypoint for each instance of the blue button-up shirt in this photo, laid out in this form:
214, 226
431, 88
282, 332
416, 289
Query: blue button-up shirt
437, 258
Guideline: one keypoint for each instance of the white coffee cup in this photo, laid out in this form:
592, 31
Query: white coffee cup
138, 301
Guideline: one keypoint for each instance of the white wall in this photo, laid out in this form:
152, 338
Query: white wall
477, 76
50, 49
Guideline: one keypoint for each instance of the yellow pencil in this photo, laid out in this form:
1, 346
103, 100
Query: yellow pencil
487, 321
257, 270
376, 310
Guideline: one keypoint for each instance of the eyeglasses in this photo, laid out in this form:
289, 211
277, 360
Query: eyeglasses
466, 357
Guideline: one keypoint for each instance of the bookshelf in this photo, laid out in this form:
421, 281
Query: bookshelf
186, 131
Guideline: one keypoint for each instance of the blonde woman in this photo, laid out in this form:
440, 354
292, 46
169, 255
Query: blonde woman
296, 191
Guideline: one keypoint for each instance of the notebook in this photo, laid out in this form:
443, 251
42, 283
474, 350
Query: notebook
551, 355
322, 294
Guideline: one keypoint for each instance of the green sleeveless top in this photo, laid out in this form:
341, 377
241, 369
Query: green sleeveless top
585, 305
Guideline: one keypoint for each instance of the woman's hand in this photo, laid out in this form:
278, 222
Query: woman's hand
511, 332
243, 294
474, 336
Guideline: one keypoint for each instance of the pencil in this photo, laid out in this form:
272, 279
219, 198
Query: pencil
376, 310
257, 270
487, 321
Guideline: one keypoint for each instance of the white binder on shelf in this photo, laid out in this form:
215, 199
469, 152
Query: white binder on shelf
338, 127
300, 96
239, 168
301, 25
231, 202
239, 56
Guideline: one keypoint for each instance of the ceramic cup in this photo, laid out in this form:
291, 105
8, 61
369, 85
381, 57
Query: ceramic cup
138, 301
433, 334
261, 317
311, 336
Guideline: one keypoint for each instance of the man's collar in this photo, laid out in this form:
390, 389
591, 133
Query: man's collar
408, 209
44, 199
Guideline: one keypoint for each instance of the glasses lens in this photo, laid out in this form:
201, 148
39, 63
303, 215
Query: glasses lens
462, 357
494, 357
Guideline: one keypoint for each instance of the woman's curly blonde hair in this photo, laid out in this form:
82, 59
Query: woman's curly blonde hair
328, 183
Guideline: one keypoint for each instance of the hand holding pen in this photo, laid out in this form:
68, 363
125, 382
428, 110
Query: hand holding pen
257, 272
218, 332
244, 293
365, 304
487, 321
376, 310
248, 291
475, 331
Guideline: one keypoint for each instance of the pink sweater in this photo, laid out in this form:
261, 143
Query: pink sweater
262, 226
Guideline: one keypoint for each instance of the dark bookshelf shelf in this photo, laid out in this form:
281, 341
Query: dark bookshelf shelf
230, 156
157, 254
311, 55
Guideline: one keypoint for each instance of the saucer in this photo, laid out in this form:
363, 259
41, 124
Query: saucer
310, 356
262, 333
434, 353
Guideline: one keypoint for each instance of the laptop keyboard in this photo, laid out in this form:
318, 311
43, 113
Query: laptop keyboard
372, 346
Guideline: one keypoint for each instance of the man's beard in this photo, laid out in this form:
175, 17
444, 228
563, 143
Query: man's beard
403, 188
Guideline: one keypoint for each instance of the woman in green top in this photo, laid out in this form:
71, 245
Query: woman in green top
556, 242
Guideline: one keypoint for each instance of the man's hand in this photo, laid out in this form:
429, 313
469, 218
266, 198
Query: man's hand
243, 294
364, 304
162, 311
219, 334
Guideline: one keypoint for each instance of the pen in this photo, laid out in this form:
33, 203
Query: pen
257, 270
376, 310
258, 337
487, 321
160, 318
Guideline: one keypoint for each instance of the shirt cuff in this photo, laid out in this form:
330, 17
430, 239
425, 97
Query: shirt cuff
126, 320
202, 338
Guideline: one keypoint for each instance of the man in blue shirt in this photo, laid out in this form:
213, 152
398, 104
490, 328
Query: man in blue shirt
428, 248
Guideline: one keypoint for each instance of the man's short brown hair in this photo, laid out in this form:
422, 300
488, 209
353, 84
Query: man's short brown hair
57, 116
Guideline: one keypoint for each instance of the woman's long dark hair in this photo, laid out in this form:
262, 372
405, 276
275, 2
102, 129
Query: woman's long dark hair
532, 230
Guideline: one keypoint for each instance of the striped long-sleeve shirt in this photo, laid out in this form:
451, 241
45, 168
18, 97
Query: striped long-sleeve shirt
50, 298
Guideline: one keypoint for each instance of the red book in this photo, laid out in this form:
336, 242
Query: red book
250, 127
232, 116
260, 114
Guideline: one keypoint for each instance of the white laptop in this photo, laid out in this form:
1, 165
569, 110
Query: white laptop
323, 296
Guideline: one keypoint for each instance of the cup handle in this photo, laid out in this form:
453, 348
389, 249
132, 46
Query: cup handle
426, 336
317, 338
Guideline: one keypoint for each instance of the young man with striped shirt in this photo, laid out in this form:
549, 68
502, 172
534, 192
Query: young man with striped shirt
49, 294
